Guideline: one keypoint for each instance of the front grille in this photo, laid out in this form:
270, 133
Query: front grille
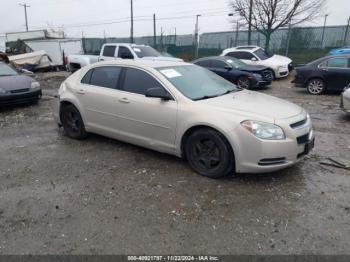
267, 75
303, 139
20, 91
272, 161
299, 124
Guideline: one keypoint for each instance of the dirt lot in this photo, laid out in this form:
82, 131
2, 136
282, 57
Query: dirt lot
61, 196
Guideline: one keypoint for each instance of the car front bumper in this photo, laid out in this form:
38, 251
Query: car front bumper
254, 155
345, 103
20, 98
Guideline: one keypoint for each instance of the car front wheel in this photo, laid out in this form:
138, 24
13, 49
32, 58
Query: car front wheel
316, 86
243, 82
72, 122
209, 153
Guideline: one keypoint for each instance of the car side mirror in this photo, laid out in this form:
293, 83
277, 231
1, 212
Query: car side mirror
254, 59
158, 92
228, 68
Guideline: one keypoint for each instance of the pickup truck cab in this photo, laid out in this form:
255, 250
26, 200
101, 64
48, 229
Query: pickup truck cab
114, 51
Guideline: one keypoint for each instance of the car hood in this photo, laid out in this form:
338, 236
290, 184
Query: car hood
163, 58
253, 68
255, 103
10, 83
278, 60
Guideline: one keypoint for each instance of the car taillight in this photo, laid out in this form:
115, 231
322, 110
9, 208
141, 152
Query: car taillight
65, 60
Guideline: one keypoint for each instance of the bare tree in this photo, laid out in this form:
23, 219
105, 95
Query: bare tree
269, 15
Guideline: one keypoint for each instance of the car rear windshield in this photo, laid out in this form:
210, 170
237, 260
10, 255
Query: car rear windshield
5, 70
144, 51
262, 54
196, 82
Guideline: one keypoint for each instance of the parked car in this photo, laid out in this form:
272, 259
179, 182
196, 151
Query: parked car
237, 72
16, 88
185, 110
326, 73
280, 66
345, 100
340, 51
114, 51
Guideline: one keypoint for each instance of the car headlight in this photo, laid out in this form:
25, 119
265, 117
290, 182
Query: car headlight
3, 91
264, 130
35, 85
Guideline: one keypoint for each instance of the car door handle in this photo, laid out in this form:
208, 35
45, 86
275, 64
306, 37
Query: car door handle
81, 91
101, 59
325, 69
124, 100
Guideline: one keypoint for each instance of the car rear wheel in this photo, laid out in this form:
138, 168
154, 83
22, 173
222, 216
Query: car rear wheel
316, 86
243, 82
209, 153
72, 122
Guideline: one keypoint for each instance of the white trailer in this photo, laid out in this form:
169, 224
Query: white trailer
56, 49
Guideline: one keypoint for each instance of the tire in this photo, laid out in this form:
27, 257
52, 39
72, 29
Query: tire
243, 82
72, 122
272, 74
316, 86
209, 153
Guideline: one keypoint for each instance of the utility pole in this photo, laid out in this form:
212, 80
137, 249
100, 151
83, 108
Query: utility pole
250, 23
132, 22
288, 37
196, 37
236, 37
323, 31
154, 31
25, 13
346, 32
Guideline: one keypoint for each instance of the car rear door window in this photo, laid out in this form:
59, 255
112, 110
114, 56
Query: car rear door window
218, 64
138, 82
107, 76
125, 53
241, 55
204, 63
109, 51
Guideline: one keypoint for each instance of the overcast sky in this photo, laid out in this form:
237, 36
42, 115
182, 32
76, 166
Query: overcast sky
77, 16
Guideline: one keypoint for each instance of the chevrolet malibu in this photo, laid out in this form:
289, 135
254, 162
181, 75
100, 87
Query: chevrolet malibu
187, 111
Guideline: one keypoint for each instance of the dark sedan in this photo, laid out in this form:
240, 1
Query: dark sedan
330, 73
243, 75
15, 88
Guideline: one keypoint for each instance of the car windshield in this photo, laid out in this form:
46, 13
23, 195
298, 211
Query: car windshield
262, 54
196, 82
236, 63
143, 51
5, 70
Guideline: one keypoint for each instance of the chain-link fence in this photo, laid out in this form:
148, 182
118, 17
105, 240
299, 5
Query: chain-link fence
302, 44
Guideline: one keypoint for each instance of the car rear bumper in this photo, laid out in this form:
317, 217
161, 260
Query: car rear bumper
345, 104
20, 98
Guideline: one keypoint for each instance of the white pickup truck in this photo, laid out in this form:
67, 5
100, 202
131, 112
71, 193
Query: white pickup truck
116, 51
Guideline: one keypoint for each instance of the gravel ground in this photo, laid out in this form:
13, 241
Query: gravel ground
100, 196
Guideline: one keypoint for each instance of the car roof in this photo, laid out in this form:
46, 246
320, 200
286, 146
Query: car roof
145, 63
251, 48
124, 44
223, 58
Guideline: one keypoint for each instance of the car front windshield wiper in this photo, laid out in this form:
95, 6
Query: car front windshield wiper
7, 75
212, 96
